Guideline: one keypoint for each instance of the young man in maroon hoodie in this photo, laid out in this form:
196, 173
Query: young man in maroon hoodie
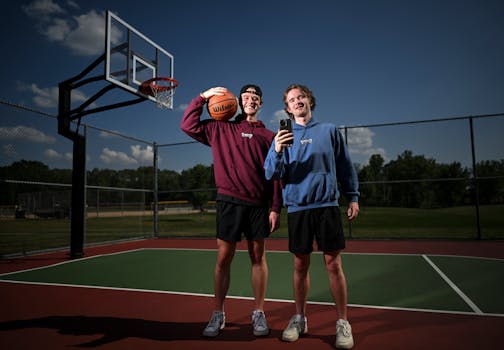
244, 196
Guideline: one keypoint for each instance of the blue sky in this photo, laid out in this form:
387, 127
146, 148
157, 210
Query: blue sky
367, 62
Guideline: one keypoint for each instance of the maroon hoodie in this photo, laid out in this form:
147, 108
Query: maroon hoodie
239, 149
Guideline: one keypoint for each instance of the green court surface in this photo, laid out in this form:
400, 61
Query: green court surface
436, 283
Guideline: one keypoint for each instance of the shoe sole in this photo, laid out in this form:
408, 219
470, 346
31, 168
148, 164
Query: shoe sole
289, 339
261, 333
213, 335
344, 346
295, 338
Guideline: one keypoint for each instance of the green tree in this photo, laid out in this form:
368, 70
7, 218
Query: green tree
418, 194
450, 190
198, 178
372, 176
491, 186
23, 170
168, 185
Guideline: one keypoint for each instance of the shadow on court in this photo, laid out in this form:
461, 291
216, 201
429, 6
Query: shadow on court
114, 329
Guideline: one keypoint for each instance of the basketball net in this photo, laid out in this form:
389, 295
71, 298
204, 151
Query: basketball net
162, 89
163, 97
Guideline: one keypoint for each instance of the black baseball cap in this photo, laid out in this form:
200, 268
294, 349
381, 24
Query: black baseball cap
251, 88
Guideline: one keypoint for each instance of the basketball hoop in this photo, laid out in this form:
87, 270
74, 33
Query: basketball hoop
162, 89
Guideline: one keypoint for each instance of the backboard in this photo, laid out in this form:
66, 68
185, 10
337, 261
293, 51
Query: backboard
131, 57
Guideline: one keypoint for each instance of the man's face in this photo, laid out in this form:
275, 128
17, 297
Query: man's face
298, 104
250, 102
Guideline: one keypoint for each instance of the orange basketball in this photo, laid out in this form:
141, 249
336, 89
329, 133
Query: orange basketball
222, 107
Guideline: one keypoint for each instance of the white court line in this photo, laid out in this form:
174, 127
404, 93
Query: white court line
464, 297
68, 262
476, 310
365, 306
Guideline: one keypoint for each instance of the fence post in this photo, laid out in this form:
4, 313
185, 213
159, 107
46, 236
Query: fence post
475, 179
155, 190
78, 215
349, 223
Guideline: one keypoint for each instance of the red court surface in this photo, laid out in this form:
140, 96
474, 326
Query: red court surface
59, 317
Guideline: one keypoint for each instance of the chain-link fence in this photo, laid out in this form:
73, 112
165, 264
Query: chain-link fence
440, 178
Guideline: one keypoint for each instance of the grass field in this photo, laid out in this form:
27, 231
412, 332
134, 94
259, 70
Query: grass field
26, 235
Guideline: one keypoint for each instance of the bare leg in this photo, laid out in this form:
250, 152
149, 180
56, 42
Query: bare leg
259, 272
301, 281
222, 272
337, 282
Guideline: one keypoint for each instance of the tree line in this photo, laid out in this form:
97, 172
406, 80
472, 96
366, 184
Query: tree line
412, 181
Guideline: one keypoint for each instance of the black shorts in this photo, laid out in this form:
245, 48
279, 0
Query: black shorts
323, 224
234, 219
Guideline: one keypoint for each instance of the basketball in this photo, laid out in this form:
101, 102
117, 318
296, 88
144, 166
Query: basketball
222, 107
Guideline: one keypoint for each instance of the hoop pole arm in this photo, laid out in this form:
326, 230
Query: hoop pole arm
87, 81
85, 71
108, 107
75, 113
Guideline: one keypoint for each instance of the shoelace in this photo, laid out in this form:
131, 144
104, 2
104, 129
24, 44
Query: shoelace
259, 320
295, 323
215, 321
344, 329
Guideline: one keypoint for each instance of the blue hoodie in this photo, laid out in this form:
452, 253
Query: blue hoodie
312, 168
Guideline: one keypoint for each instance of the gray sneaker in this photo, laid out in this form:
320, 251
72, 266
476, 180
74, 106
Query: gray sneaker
217, 322
344, 338
297, 325
259, 323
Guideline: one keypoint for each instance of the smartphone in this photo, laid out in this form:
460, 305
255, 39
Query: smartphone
286, 124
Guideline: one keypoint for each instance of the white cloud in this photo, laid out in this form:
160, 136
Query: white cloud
280, 114
78, 96
9, 150
44, 97
143, 155
89, 36
73, 4
42, 9
55, 155
58, 30
25, 133
48, 97
109, 156
182, 107
83, 34
360, 137
52, 154
138, 156
360, 141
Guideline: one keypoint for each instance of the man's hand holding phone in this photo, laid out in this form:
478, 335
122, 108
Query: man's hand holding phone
284, 137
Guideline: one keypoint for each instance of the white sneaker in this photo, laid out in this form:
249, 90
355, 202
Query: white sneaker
216, 323
259, 324
344, 338
297, 325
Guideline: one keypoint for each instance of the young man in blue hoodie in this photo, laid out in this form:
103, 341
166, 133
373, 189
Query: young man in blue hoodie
311, 161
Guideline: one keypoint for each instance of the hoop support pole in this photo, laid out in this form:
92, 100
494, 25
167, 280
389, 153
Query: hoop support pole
65, 117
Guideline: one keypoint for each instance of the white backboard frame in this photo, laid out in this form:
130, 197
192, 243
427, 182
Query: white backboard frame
131, 57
